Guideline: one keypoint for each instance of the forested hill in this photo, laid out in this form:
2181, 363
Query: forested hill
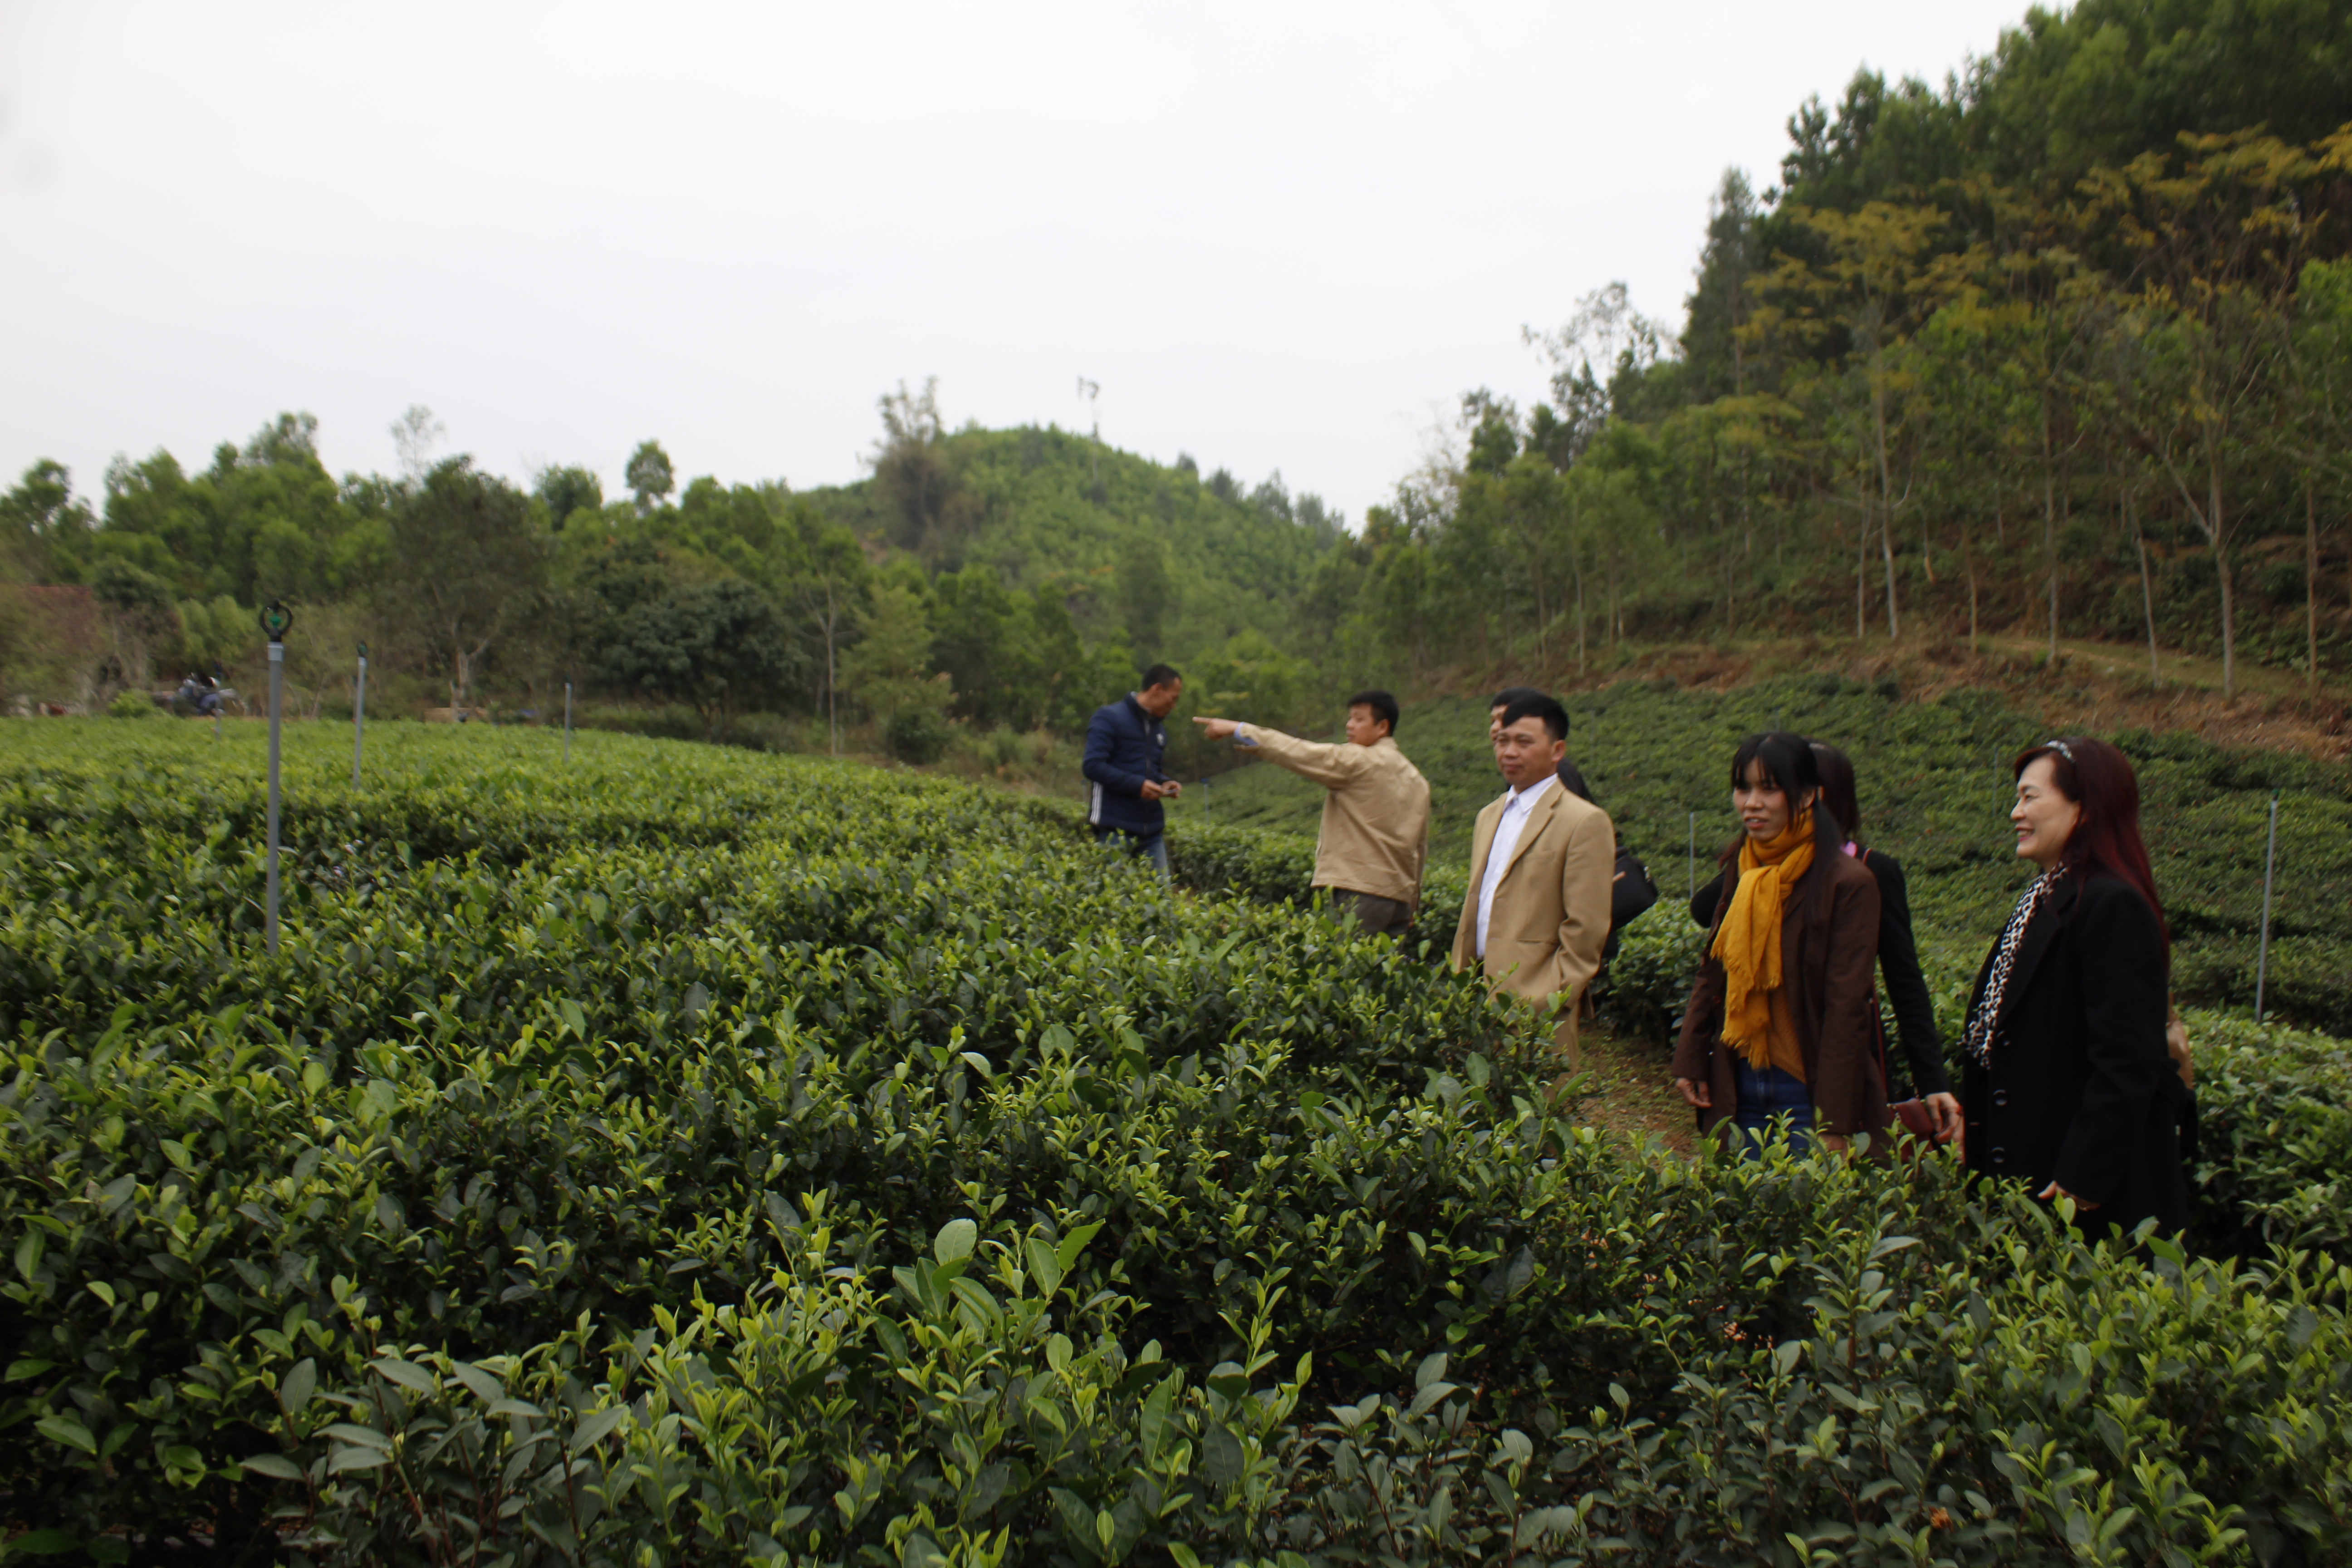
2072, 91
1173, 564
2059, 349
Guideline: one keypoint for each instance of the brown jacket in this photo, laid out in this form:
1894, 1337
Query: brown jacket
1828, 954
1375, 820
1551, 909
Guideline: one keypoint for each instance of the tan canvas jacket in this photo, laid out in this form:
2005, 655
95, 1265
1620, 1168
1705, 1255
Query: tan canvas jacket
1375, 820
1551, 909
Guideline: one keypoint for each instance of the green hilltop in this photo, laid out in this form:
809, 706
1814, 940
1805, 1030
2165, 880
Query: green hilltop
1156, 555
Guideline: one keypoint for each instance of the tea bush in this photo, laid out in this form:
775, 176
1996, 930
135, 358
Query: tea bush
698, 1155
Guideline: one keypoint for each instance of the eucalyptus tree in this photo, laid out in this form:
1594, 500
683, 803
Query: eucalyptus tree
467, 561
2218, 244
2318, 432
824, 574
650, 477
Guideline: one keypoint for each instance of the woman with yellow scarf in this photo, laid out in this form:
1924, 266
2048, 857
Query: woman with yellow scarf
1783, 1018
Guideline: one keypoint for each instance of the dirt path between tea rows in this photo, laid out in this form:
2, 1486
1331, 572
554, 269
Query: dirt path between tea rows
1632, 1090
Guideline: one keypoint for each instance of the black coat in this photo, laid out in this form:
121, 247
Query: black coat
1898, 961
2081, 1089
1125, 747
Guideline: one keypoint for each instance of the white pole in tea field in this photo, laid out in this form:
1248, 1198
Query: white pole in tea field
275, 620
2269, 864
359, 718
567, 720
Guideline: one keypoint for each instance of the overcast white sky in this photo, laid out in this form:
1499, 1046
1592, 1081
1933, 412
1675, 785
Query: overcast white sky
1278, 236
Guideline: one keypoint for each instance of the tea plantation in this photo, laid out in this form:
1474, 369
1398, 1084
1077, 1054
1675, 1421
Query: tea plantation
686, 1156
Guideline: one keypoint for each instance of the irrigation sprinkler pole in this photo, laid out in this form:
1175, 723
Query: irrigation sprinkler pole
275, 618
567, 722
2269, 864
359, 718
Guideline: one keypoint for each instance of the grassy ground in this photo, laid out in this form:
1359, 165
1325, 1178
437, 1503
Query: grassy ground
1632, 1090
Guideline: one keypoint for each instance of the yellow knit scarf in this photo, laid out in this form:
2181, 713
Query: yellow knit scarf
1748, 939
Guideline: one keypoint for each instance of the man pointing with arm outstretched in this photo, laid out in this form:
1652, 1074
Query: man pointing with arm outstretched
1375, 819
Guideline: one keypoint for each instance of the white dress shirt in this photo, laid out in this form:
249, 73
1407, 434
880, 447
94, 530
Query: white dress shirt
1516, 811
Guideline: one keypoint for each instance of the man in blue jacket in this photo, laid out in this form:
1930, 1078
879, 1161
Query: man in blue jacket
1124, 742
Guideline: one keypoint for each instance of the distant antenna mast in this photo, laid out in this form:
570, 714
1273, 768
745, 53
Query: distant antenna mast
1092, 392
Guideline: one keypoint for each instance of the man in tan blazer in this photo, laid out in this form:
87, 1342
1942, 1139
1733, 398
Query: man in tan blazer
1376, 818
1540, 863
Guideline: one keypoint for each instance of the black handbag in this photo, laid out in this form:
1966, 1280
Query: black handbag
1630, 890
1631, 894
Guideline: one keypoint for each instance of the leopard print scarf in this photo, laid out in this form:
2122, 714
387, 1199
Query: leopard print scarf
1985, 1017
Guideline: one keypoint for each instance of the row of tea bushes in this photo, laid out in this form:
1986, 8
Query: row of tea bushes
874, 909
1537, 1344
697, 1324
881, 1174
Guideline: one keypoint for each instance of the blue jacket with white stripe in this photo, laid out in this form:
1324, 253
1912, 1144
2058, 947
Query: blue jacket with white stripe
1124, 748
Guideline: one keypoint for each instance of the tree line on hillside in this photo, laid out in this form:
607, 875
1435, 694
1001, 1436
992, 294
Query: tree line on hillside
2064, 346
2061, 348
1006, 581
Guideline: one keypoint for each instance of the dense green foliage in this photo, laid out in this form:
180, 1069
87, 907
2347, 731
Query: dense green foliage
1012, 581
2059, 349
699, 1154
2101, 83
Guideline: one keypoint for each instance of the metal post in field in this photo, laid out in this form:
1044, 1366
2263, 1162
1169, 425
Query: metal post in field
1691, 855
2269, 864
359, 718
275, 618
567, 720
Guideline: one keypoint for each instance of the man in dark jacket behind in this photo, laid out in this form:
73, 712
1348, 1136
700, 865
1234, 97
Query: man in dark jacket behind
1124, 742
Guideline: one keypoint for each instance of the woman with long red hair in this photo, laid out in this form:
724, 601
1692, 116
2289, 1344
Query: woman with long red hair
2068, 1084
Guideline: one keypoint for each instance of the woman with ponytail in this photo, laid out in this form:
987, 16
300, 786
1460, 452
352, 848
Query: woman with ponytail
1783, 1021
2069, 1084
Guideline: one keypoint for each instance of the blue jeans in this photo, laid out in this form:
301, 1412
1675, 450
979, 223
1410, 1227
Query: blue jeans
1768, 1092
1150, 847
